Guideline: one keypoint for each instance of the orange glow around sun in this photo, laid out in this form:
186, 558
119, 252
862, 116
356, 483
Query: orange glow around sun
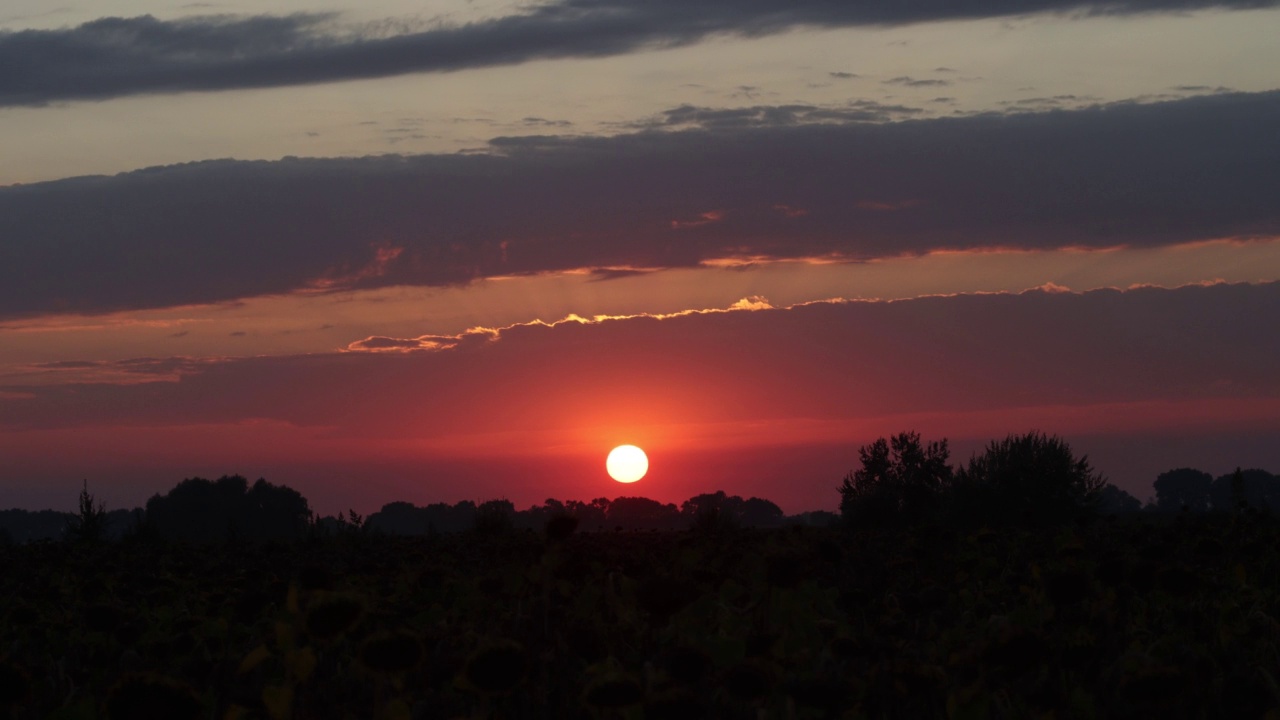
627, 463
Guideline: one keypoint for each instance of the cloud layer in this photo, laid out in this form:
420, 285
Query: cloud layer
1123, 174
113, 57
820, 362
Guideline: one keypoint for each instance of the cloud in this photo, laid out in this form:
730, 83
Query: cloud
1122, 174
908, 81
486, 334
706, 218
692, 116
115, 56
827, 361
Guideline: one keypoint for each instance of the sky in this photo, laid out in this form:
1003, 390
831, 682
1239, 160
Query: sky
439, 251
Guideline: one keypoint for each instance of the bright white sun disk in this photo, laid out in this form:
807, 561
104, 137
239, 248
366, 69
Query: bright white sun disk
627, 463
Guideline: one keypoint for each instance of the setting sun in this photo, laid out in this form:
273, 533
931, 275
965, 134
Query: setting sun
627, 463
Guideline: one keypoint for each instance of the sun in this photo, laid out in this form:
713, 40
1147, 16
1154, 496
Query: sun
627, 463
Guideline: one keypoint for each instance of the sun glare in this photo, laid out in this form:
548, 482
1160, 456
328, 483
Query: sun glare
627, 463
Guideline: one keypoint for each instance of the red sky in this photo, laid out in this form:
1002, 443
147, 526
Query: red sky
755, 400
378, 257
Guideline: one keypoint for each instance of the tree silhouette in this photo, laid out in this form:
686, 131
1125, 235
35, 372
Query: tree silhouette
399, 518
641, 513
709, 512
495, 517
758, 512
1029, 478
1254, 488
719, 510
1114, 501
89, 524
202, 511
900, 479
1183, 488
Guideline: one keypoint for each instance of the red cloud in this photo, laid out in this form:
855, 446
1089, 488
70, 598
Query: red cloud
705, 218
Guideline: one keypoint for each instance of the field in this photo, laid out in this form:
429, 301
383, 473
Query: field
1119, 618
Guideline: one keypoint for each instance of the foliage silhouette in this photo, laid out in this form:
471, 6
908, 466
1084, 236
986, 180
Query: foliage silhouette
1032, 478
1114, 501
89, 524
1183, 488
197, 510
1255, 488
641, 513
495, 517
720, 511
1108, 621
900, 480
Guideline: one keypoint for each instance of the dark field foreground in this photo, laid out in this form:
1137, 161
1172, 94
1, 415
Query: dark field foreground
1121, 618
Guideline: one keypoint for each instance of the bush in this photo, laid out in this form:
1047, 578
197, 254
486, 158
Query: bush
1031, 478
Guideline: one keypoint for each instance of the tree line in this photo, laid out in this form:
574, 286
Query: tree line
1032, 478
231, 509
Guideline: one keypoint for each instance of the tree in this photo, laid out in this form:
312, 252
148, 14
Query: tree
641, 513
1028, 478
708, 512
89, 524
495, 517
758, 512
900, 479
398, 518
1114, 501
276, 511
1183, 488
203, 511
1254, 488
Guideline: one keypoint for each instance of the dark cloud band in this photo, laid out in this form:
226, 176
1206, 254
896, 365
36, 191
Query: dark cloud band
114, 57
1126, 174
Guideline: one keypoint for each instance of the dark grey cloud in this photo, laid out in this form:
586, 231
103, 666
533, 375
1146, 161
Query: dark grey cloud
1201, 88
764, 116
114, 56
545, 122
908, 81
1142, 175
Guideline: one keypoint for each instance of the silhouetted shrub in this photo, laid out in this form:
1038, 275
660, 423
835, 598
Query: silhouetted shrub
1030, 478
496, 668
391, 653
560, 527
15, 685
151, 697
332, 615
614, 691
